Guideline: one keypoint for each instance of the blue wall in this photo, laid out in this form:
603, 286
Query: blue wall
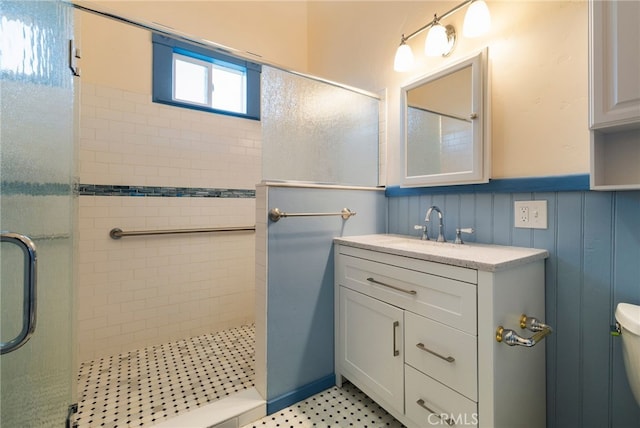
300, 356
594, 244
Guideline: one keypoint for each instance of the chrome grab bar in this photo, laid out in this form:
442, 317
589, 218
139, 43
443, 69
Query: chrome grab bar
511, 338
117, 233
448, 359
275, 214
30, 299
412, 292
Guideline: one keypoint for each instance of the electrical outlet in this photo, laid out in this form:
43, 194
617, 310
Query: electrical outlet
530, 214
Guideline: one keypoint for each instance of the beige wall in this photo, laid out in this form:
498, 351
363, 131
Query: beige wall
537, 50
538, 55
271, 30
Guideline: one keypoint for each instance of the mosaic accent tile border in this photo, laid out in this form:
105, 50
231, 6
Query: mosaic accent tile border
163, 191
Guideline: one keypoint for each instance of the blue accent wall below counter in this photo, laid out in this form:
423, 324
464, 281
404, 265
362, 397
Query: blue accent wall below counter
300, 284
594, 243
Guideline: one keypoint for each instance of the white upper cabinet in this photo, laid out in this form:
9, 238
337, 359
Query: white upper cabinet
614, 94
614, 64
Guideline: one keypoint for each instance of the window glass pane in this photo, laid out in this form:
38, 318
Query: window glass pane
191, 80
229, 89
191, 76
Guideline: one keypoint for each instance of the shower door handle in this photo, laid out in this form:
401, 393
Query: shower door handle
30, 299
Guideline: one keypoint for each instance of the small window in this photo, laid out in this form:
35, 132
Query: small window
194, 76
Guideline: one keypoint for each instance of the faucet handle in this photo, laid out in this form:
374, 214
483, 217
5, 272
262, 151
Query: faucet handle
423, 228
459, 233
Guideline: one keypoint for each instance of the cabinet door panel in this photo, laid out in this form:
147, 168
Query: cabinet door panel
371, 346
615, 63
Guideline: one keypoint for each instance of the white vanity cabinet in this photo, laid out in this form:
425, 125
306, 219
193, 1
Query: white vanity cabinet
418, 335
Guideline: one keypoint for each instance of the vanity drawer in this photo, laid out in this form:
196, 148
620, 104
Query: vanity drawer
428, 402
460, 372
442, 299
459, 273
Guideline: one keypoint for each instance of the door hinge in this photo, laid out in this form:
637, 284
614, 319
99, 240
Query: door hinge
71, 416
74, 56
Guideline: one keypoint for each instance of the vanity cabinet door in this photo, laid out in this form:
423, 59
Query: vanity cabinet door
370, 347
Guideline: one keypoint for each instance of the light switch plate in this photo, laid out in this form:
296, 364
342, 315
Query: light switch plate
530, 214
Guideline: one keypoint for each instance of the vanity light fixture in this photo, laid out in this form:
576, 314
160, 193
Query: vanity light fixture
477, 20
441, 39
404, 57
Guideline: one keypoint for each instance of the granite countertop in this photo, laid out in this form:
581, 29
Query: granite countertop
483, 257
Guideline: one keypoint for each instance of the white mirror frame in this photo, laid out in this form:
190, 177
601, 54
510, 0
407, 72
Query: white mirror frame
481, 124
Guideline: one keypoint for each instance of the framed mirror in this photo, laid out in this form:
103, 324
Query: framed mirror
446, 120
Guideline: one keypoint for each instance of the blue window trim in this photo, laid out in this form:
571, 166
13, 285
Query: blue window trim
163, 49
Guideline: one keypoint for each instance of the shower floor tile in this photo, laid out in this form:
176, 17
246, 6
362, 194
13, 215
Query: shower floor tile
335, 407
143, 387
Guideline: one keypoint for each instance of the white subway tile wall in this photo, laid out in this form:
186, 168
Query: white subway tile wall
139, 291
125, 139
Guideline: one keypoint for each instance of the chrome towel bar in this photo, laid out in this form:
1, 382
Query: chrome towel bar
275, 214
117, 233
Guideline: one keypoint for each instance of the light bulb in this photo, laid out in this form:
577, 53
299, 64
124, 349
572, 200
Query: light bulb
477, 20
436, 43
404, 58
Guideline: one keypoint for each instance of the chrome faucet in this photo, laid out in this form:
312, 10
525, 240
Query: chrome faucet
427, 220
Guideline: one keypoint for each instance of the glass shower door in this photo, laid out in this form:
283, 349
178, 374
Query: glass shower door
36, 213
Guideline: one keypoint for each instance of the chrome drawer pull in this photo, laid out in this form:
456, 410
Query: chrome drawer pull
412, 292
395, 350
448, 359
442, 416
